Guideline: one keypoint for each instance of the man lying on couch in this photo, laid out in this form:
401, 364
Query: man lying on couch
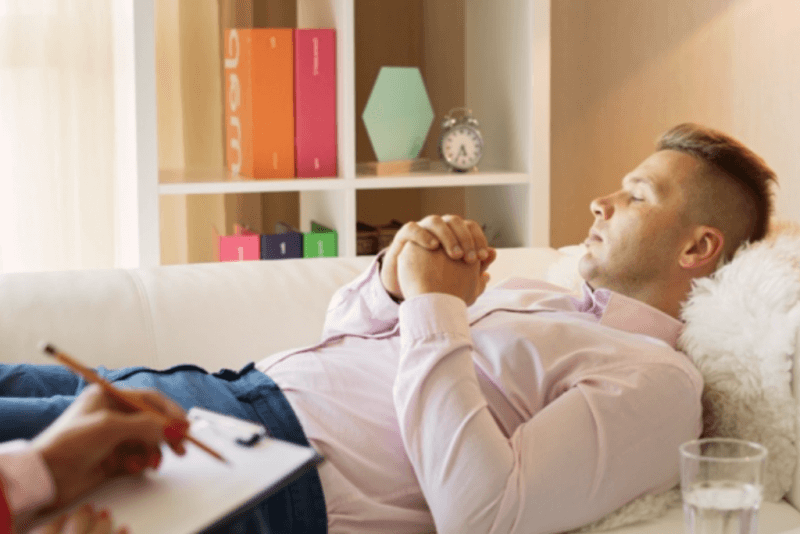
524, 408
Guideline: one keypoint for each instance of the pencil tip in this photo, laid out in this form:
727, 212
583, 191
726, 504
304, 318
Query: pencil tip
47, 347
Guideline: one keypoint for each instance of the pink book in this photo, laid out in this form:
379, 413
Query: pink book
315, 102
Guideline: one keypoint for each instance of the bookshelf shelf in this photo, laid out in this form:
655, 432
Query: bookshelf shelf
220, 181
493, 57
441, 180
209, 182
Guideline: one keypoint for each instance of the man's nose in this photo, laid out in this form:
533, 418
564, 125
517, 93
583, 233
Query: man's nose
601, 207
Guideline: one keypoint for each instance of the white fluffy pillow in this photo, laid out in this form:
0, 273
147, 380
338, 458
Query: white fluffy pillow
741, 331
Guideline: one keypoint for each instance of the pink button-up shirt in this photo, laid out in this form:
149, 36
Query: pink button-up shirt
533, 410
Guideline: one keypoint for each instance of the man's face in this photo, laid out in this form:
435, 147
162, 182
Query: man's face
639, 230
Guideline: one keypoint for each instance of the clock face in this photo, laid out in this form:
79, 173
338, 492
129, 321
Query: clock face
462, 147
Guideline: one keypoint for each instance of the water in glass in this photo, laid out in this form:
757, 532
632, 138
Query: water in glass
722, 507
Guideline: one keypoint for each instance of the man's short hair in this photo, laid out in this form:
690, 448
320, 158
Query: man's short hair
733, 193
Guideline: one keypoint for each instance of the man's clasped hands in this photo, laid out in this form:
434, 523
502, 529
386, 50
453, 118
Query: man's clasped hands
446, 254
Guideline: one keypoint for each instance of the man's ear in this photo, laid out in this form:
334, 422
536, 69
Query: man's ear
704, 249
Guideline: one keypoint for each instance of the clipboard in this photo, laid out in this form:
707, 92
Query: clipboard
195, 492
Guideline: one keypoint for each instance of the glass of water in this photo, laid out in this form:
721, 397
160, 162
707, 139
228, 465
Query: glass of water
722, 485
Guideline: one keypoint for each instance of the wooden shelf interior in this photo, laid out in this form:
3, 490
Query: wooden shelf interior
490, 204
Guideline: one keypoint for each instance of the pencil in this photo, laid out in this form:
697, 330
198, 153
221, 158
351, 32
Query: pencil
94, 378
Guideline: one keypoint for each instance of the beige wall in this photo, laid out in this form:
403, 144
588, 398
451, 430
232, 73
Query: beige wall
625, 70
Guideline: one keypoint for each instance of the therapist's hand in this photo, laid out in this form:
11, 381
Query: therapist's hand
84, 520
423, 271
98, 438
460, 239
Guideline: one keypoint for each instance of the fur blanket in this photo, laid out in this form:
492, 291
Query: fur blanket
741, 331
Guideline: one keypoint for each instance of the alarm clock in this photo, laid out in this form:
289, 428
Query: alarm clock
461, 142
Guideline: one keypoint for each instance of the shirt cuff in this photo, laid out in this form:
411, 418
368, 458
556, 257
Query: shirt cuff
27, 482
433, 314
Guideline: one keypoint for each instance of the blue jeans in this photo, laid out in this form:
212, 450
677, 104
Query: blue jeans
33, 396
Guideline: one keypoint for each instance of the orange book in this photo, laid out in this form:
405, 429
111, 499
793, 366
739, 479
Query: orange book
259, 102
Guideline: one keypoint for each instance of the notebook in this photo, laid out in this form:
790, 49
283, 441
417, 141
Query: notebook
191, 493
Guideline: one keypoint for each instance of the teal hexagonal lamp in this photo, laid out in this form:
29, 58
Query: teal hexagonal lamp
398, 114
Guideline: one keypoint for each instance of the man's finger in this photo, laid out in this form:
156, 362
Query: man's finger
412, 231
491, 256
479, 238
442, 231
464, 235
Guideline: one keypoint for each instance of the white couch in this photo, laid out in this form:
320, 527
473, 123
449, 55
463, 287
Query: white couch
225, 315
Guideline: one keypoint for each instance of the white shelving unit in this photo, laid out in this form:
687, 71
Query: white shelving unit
507, 84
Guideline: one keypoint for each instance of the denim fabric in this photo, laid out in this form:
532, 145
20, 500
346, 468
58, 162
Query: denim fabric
33, 396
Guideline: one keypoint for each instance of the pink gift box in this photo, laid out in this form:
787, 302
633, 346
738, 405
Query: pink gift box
239, 247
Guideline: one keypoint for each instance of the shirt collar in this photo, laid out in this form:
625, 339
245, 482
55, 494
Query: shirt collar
628, 314
592, 301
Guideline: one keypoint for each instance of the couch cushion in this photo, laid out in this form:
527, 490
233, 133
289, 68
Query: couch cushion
773, 518
98, 315
214, 315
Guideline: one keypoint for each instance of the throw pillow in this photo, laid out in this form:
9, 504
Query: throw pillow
741, 331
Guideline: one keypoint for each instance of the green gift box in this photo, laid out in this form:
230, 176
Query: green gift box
321, 241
